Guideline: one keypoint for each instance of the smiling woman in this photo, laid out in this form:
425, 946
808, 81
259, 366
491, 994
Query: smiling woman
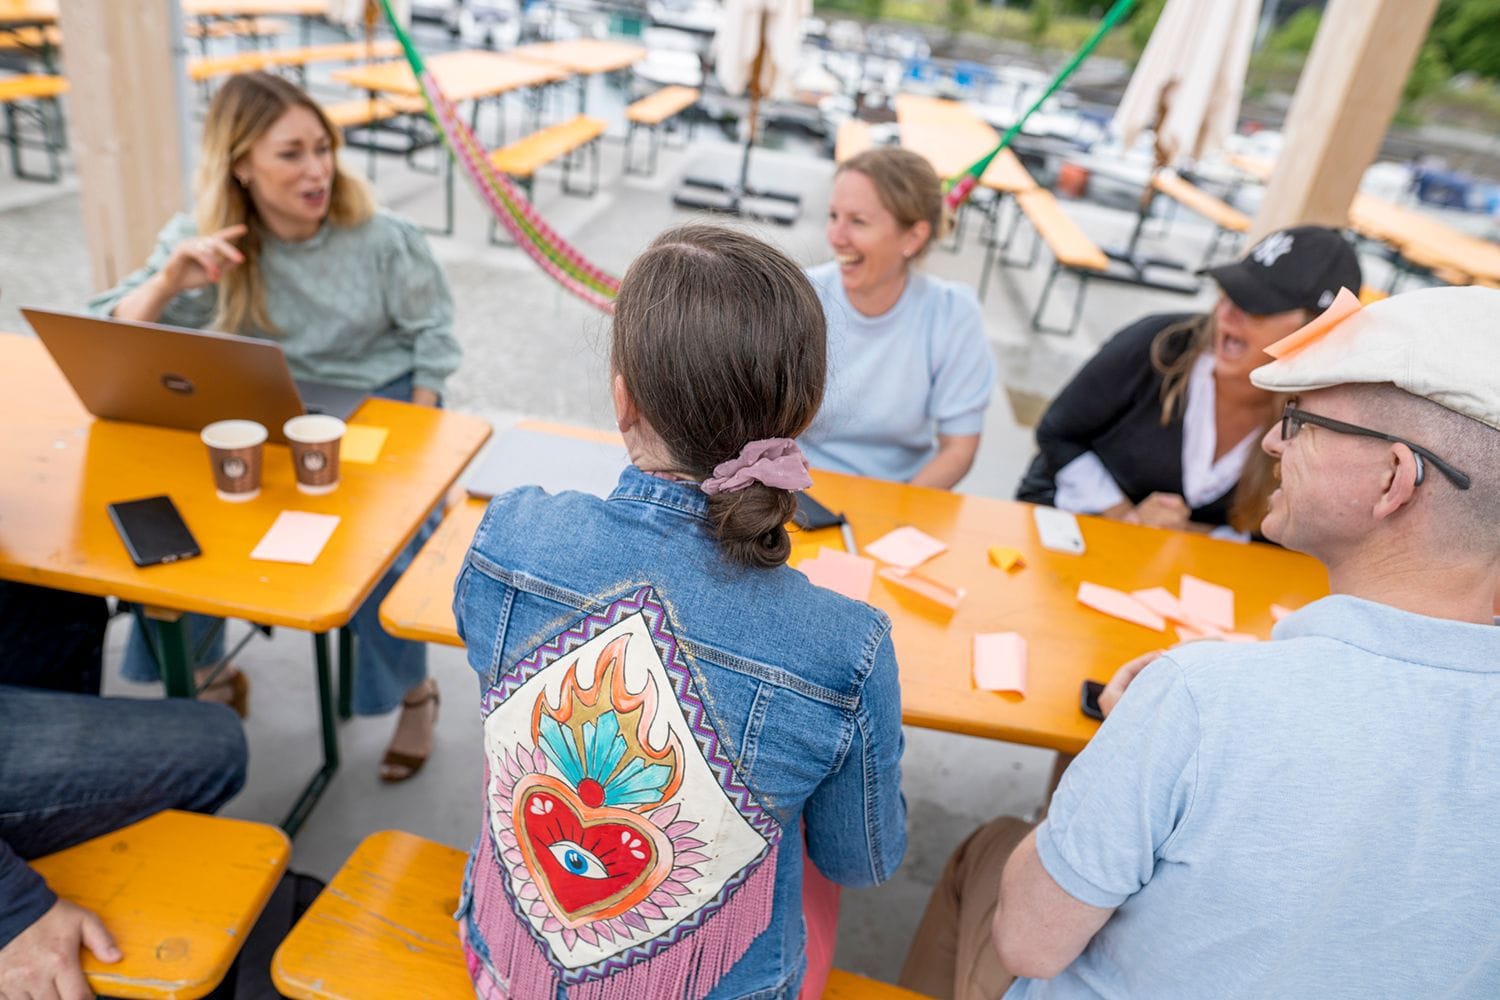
910, 371
1160, 427
286, 244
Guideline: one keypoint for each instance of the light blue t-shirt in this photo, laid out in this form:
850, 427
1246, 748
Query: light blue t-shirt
898, 380
1317, 816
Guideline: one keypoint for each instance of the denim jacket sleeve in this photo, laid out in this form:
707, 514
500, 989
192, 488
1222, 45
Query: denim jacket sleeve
856, 819
24, 897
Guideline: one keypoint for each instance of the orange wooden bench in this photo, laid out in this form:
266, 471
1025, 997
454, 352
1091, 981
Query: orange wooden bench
384, 927
653, 111
34, 97
368, 110
524, 157
239, 27
1228, 220
1072, 251
178, 891
208, 67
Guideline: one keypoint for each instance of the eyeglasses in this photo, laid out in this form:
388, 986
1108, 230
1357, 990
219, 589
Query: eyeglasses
1292, 420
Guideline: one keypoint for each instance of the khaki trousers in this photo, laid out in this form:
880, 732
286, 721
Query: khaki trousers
952, 955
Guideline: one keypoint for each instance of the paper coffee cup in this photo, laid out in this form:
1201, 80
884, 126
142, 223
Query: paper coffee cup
315, 451
234, 451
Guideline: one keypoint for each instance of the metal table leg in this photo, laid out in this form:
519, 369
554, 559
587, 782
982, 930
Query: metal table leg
314, 790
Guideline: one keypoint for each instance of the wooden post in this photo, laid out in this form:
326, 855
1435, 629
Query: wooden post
1349, 89
126, 105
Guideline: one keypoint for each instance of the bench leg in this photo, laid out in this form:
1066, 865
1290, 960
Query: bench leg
347, 652
630, 150
1036, 319
13, 139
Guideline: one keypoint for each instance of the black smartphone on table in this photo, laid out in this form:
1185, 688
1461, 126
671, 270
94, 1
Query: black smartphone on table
1089, 700
153, 531
811, 515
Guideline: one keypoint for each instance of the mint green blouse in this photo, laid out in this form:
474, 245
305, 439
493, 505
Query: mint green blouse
357, 306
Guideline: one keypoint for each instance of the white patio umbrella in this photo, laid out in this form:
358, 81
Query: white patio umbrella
1190, 78
764, 33
755, 51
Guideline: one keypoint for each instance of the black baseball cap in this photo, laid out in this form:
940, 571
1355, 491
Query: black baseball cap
1299, 268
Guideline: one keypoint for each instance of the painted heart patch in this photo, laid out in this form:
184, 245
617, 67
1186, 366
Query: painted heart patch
589, 862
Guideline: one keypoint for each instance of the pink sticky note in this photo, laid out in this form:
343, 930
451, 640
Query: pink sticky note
1207, 603
1162, 601
924, 586
841, 573
1279, 612
1000, 662
1344, 305
297, 536
1186, 633
1120, 605
905, 547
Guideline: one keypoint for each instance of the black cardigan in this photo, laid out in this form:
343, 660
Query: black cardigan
1112, 407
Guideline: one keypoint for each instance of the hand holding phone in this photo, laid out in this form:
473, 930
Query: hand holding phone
153, 531
1088, 701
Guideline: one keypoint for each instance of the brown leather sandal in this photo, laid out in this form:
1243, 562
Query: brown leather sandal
396, 766
232, 690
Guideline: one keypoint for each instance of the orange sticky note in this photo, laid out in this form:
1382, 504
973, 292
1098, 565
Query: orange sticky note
1345, 304
906, 547
1207, 603
1162, 601
1006, 558
1120, 605
841, 573
362, 443
924, 586
1000, 662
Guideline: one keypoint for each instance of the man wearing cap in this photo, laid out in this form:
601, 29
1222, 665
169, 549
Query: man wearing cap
1313, 816
1161, 426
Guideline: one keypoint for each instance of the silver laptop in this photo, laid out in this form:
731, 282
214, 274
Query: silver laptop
147, 373
520, 457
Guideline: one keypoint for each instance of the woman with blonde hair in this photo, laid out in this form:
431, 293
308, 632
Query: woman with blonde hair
286, 244
1161, 426
910, 371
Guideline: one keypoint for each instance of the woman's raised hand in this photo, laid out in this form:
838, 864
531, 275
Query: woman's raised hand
202, 260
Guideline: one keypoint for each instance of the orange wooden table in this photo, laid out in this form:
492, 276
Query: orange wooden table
1068, 643
468, 75
63, 467
952, 138
178, 891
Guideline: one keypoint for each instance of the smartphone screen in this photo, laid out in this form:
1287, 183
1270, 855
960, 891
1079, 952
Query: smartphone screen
1089, 701
153, 531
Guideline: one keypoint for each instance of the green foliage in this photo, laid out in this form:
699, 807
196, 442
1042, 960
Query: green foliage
1428, 74
957, 15
1467, 33
1298, 33
1041, 18
1143, 21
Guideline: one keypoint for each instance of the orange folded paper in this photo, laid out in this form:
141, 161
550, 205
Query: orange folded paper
924, 587
1006, 558
1162, 601
1345, 304
1206, 603
1000, 662
1119, 604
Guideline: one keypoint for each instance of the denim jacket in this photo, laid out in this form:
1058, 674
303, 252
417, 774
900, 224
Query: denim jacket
787, 693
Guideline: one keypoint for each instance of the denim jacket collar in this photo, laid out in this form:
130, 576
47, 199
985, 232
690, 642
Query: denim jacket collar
674, 494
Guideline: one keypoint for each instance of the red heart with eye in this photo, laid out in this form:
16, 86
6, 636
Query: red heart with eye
589, 862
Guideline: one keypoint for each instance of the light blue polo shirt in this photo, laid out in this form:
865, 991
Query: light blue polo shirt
898, 380
1317, 816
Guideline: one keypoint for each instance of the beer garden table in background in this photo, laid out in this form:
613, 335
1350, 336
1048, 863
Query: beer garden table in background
1067, 642
63, 467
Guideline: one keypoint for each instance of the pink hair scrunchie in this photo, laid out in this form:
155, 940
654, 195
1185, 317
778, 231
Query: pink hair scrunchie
776, 462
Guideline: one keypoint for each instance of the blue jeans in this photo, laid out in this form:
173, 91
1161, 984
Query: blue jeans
75, 766
386, 667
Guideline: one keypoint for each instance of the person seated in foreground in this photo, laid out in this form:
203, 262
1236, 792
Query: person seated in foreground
75, 766
1161, 426
1312, 816
670, 711
287, 244
910, 372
